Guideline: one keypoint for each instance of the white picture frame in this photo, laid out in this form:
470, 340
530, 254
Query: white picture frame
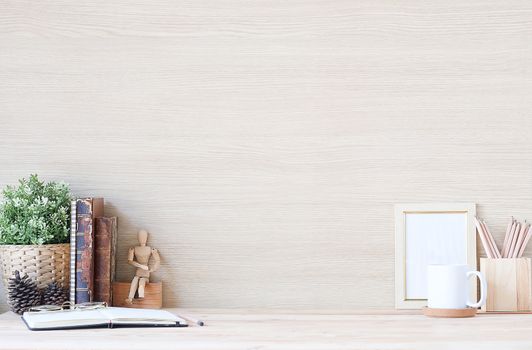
436, 233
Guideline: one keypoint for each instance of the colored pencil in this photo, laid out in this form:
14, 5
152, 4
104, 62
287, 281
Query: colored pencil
509, 242
494, 248
525, 242
514, 240
507, 235
520, 240
484, 240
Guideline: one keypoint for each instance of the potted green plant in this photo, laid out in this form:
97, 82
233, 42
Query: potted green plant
34, 231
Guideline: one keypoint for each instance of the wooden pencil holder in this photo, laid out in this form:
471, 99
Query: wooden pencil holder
153, 296
509, 284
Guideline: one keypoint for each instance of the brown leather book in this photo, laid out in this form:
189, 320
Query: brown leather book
86, 210
104, 258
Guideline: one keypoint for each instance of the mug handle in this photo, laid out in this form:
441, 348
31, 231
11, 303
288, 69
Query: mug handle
483, 289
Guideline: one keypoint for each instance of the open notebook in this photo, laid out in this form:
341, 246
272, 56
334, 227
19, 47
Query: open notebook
99, 318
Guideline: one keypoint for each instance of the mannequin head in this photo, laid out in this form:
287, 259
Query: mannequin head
143, 237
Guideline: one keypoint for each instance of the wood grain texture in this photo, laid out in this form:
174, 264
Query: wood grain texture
509, 284
264, 143
289, 330
152, 296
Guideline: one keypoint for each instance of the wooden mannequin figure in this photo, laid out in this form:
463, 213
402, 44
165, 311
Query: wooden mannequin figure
139, 257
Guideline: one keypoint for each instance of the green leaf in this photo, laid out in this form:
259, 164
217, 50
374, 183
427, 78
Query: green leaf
35, 212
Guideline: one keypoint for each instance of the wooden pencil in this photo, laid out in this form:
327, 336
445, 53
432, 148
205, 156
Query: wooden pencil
483, 239
507, 247
506, 236
525, 242
514, 240
192, 320
484, 232
494, 248
520, 239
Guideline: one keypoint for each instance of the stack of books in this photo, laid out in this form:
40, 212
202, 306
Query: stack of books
92, 251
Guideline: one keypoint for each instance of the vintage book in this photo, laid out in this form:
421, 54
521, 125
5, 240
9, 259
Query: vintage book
108, 317
73, 219
87, 209
105, 232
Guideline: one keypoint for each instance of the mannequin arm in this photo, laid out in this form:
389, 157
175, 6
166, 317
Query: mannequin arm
157, 260
130, 261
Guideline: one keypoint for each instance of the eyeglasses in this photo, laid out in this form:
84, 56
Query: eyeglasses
68, 306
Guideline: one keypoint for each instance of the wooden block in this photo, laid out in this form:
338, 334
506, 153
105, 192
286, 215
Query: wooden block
524, 284
509, 284
153, 296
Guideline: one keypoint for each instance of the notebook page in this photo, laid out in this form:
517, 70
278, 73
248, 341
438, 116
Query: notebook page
127, 315
58, 319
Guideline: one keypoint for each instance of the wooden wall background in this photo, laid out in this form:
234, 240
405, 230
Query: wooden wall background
264, 143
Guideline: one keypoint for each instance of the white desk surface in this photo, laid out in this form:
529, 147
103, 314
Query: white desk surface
242, 329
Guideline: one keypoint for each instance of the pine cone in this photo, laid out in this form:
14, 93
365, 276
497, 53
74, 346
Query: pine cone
54, 294
22, 293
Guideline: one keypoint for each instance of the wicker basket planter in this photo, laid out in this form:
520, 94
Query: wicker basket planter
43, 263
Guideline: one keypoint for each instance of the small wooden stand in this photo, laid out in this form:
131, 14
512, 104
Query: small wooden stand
153, 296
449, 313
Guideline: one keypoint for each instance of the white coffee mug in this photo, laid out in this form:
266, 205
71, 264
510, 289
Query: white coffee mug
448, 287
